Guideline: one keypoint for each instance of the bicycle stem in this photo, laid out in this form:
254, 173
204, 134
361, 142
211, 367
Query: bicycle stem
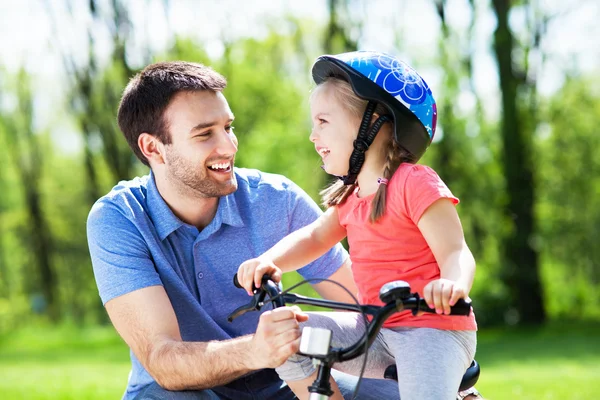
380, 313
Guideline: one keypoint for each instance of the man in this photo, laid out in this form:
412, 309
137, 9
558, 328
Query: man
164, 248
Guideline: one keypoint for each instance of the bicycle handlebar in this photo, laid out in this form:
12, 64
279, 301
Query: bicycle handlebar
396, 296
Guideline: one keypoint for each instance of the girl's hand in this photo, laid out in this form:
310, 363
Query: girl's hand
251, 272
440, 294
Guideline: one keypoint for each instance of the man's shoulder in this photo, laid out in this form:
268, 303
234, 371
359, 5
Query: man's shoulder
127, 196
252, 179
261, 190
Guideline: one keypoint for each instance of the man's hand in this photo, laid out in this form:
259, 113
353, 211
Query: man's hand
277, 337
251, 272
443, 293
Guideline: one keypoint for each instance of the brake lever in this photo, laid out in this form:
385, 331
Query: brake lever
258, 300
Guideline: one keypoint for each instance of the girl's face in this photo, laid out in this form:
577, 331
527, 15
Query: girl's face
334, 130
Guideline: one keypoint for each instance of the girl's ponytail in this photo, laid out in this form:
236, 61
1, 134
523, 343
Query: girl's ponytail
392, 163
336, 193
396, 155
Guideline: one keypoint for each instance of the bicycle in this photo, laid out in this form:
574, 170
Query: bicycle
316, 342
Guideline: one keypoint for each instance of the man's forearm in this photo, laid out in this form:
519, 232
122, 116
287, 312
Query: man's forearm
178, 365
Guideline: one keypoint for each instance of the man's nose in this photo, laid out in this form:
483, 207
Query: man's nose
313, 136
228, 143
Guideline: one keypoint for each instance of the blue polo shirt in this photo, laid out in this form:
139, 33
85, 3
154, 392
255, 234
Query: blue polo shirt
136, 241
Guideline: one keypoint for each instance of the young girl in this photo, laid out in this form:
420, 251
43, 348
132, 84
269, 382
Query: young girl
400, 221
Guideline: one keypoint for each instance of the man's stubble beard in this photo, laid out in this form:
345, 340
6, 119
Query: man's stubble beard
192, 180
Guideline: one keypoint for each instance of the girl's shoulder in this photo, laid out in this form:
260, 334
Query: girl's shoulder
413, 174
415, 187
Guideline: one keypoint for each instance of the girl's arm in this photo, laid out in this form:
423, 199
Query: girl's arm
441, 227
294, 251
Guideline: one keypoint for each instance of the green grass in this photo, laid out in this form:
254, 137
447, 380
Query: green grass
555, 362
63, 363
561, 361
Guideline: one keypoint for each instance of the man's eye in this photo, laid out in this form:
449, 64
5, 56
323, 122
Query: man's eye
203, 134
322, 121
229, 128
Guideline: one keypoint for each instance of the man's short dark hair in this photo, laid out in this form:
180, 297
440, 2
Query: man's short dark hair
149, 93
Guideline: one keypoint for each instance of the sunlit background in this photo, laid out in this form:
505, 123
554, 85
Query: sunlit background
518, 90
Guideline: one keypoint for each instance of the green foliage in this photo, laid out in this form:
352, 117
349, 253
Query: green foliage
271, 108
569, 187
77, 289
268, 90
12, 311
465, 154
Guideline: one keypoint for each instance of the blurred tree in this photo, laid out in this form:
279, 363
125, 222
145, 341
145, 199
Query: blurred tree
4, 207
520, 272
341, 33
465, 156
271, 109
268, 91
80, 94
110, 84
569, 191
454, 151
67, 210
93, 97
96, 91
26, 151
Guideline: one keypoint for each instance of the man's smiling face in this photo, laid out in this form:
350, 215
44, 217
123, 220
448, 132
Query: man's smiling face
201, 155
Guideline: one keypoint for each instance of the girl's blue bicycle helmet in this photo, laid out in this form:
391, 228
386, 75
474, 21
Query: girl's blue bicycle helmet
382, 78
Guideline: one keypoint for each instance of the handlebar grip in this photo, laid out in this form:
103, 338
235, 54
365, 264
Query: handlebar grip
462, 307
236, 282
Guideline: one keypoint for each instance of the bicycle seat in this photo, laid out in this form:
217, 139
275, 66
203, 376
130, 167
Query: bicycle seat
469, 378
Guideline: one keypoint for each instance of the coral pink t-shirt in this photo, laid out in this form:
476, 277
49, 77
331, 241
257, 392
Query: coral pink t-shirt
393, 248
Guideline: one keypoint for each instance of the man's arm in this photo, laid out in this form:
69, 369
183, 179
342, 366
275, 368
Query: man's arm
146, 321
144, 317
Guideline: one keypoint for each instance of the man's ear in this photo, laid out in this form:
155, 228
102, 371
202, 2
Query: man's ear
151, 148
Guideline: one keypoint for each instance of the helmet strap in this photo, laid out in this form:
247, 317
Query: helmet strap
364, 139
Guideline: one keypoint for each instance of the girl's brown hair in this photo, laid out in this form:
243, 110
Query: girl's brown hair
337, 192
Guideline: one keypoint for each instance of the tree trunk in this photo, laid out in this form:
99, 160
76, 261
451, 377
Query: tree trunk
4, 284
521, 269
42, 247
337, 39
4, 279
446, 146
24, 148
